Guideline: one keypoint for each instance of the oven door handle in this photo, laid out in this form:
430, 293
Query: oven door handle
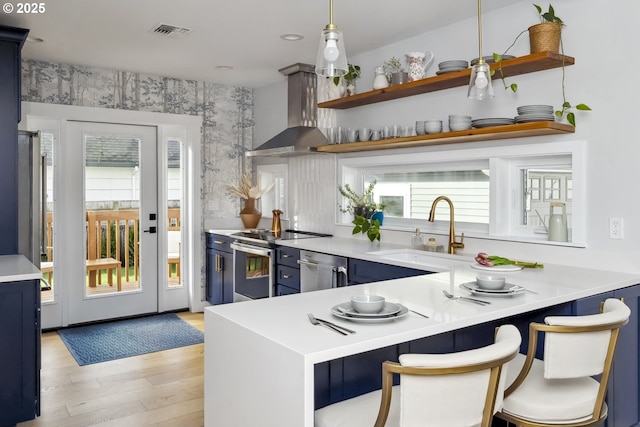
250, 249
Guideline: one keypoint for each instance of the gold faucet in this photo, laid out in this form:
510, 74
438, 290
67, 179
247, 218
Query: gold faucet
453, 245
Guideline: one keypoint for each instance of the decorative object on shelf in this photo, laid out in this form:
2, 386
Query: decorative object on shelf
547, 18
331, 60
349, 79
335, 88
395, 71
250, 214
480, 86
545, 36
418, 64
380, 81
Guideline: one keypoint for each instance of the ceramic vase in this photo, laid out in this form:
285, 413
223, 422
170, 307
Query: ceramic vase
250, 214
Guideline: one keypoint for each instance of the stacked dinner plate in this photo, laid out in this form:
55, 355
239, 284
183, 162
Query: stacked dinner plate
485, 123
535, 113
453, 65
489, 59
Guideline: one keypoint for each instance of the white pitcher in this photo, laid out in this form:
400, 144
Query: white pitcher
558, 223
418, 63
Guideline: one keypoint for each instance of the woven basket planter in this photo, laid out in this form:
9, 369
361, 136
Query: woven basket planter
545, 37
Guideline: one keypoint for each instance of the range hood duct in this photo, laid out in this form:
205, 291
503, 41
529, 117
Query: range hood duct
302, 135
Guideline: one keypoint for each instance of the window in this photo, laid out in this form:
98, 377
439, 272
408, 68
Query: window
497, 192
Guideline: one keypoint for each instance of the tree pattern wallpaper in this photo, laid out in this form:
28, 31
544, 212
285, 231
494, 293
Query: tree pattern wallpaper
226, 111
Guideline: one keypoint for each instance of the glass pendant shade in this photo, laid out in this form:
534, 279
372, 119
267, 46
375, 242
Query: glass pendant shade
480, 86
331, 60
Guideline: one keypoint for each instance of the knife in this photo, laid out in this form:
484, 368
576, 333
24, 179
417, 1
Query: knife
326, 322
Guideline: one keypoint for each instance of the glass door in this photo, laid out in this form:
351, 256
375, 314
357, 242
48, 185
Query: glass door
112, 213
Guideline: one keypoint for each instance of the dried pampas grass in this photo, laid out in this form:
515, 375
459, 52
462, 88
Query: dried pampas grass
247, 190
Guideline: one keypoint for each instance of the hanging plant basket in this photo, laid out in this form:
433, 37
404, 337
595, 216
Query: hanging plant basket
545, 37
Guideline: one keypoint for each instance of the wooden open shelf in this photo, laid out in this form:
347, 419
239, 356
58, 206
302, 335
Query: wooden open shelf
510, 67
519, 130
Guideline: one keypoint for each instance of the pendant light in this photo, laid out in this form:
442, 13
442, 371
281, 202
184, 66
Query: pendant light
480, 86
331, 60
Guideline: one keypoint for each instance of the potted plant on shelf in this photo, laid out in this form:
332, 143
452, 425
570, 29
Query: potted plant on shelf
350, 79
367, 213
545, 36
395, 71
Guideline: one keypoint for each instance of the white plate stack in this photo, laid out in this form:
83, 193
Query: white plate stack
459, 122
485, 123
535, 113
489, 59
453, 65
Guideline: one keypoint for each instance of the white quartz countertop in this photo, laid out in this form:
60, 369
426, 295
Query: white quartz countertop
283, 320
14, 268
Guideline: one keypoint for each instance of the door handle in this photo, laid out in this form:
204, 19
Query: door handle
151, 230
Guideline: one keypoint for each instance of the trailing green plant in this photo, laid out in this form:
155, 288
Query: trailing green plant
566, 108
549, 15
368, 226
352, 75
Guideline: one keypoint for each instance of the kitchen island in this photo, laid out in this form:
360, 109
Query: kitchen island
261, 356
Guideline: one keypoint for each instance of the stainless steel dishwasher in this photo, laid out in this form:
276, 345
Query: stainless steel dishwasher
321, 271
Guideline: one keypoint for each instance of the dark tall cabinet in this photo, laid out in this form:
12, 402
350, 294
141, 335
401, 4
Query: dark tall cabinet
11, 41
20, 351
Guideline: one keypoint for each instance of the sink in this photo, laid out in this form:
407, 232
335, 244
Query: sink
432, 261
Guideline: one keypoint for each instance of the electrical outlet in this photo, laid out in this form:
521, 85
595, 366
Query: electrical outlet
616, 228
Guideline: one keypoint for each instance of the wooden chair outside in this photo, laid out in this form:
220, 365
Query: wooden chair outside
99, 226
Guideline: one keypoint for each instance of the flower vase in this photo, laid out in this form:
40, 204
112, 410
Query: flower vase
250, 215
351, 88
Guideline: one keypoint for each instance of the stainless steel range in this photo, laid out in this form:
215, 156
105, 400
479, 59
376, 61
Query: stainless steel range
254, 261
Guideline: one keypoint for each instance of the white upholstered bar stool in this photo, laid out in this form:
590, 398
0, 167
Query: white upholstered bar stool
436, 390
559, 390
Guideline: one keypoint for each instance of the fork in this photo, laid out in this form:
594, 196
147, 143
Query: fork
315, 321
467, 299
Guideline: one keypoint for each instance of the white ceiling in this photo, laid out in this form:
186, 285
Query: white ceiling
245, 34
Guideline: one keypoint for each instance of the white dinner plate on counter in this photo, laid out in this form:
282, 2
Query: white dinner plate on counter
507, 291
390, 312
507, 267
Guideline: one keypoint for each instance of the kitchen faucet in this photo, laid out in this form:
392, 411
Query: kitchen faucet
453, 245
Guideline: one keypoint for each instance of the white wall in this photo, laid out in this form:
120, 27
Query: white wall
601, 35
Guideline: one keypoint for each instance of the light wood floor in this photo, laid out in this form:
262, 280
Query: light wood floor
163, 389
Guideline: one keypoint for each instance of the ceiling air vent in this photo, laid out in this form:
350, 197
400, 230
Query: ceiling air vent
170, 31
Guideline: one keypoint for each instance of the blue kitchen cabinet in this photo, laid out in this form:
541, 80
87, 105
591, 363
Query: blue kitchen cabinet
19, 352
361, 271
11, 41
219, 268
287, 270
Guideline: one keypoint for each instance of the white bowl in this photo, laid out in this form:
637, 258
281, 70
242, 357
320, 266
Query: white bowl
490, 282
459, 126
367, 304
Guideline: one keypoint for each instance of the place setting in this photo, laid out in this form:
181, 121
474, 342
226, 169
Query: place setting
369, 309
492, 286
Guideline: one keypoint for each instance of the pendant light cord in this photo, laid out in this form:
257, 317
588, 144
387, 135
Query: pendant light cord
480, 31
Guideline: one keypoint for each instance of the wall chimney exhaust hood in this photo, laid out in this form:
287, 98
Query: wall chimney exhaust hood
302, 136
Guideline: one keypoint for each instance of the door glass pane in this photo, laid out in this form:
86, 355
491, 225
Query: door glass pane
112, 201
174, 201
46, 263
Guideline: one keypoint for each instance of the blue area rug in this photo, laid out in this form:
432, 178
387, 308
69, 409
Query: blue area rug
125, 338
